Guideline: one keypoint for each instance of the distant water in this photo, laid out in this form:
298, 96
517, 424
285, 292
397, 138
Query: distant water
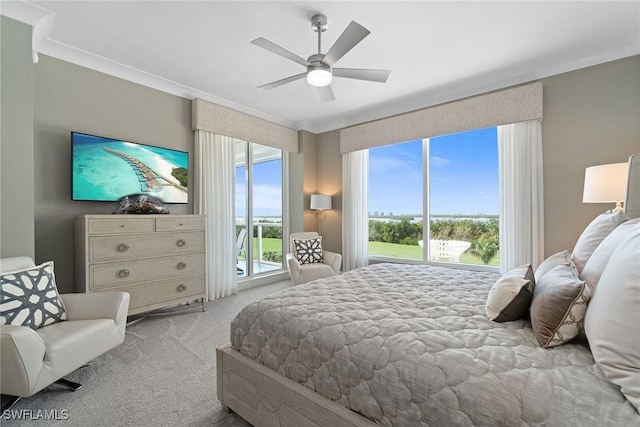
99, 175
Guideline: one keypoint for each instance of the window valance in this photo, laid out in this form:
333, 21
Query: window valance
507, 106
225, 121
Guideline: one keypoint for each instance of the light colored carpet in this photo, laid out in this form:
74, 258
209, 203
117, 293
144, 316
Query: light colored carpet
163, 375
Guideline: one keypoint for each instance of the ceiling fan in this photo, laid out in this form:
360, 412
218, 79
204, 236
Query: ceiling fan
320, 70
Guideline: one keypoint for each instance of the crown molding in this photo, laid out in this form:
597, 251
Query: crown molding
41, 20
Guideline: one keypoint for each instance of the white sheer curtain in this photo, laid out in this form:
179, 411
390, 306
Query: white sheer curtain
214, 197
521, 194
355, 216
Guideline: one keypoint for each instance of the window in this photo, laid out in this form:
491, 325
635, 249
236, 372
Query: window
460, 172
258, 205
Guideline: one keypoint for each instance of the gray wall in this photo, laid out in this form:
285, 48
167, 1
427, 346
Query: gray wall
308, 144
329, 173
17, 234
72, 98
591, 116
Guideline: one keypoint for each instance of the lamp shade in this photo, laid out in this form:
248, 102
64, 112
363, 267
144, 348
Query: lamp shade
320, 201
605, 183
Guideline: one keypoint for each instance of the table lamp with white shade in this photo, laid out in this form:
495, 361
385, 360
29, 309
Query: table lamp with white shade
606, 184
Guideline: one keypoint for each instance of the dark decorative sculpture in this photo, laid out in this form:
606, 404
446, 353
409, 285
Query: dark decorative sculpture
140, 204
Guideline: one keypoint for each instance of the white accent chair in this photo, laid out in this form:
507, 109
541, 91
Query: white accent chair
302, 273
31, 359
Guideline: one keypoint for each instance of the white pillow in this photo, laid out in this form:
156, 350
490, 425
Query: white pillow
612, 322
595, 233
561, 258
595, 265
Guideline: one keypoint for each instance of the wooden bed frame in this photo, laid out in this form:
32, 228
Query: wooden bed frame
265, 398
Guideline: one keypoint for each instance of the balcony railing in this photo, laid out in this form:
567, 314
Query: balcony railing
261, 246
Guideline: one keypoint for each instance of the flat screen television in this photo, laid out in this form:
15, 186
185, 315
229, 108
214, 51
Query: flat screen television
106, 169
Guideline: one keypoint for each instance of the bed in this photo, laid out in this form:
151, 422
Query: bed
409, 345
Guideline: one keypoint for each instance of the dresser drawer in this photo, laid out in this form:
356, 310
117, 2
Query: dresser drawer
163, 291
103, 276
112, 248
120, 224
179, 223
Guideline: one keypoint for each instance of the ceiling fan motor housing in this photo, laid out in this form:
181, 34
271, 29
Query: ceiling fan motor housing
319, 23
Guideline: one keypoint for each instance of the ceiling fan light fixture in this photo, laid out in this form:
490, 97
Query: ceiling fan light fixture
319, 77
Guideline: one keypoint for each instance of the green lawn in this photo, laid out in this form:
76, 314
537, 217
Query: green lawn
375, 248
268, 245
415, 252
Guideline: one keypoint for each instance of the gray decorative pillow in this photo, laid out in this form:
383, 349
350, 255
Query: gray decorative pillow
510, 297
309, 251
560, 258
612, 323
30, 298
559, 305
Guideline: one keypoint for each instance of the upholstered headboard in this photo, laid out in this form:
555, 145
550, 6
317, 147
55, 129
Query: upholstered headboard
632, 203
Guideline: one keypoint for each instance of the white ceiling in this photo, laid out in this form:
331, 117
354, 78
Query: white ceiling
438, 51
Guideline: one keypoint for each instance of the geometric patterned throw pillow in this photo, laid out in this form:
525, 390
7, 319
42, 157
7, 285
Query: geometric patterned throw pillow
559, 306
309, 251
30, 298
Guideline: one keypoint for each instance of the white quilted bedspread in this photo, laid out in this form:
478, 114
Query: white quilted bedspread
410, 345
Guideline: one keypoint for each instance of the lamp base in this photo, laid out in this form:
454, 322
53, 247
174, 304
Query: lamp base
320, 216
618, 208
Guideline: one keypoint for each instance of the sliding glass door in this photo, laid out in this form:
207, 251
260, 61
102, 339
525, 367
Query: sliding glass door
259, 209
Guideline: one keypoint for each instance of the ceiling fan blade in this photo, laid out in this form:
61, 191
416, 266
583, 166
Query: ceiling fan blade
351, 36
282, 81
326, 93
270, 46
380, 76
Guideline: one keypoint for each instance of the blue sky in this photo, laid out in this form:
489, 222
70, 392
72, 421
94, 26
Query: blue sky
464, 175
267, 189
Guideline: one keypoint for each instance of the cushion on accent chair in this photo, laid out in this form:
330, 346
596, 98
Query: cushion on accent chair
510, 297
612, 323
595, 233
308, 251
558, 306
30, 297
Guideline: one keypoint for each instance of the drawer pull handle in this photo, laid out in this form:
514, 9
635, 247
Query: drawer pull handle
181, 288
123, 273
181, 266
181, 243
123, 247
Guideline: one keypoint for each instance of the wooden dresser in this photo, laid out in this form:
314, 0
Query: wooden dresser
158, 259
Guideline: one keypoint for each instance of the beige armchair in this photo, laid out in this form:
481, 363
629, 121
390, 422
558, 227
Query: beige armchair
302, 273
32, 359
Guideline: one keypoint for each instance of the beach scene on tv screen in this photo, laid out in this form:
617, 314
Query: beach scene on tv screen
107, 169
